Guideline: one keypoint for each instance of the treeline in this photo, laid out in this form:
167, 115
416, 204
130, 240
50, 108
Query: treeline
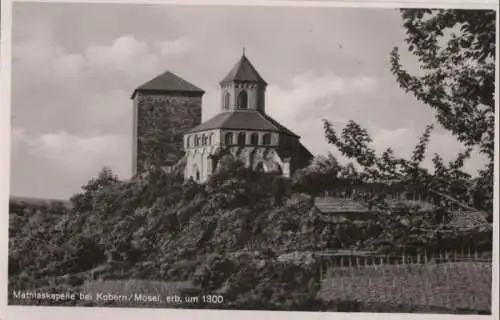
157, 226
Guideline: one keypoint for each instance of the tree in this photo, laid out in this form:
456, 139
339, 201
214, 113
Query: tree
100, 186
448, 179
320, 176
456, 52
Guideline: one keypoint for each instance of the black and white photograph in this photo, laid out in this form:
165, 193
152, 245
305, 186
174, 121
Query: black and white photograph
253, 157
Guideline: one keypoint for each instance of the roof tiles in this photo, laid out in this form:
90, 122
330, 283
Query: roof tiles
169, 82
243, 71
243, 120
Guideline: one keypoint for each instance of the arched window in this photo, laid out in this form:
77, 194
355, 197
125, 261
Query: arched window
204, 140
229, 138
243, 100
260, 167
196, 141
227, 99
196, 172
242, 138
266, 139
254, 139
279, 170
188, 142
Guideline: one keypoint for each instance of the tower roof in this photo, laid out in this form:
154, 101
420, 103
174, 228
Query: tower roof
243, 71
169, 82
243, 120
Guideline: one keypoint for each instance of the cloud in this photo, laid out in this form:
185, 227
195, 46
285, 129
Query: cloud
125, 55
308, 87
38, 62
311, 98
363, 83
85, 90
75, 159
314, 97
174, 47
124, 58
104, 113
77, 116
404, 140
73, 153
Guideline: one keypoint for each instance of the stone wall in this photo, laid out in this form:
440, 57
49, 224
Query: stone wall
198, 160
161, 121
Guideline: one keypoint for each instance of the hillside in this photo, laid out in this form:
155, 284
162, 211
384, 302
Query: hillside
224, 236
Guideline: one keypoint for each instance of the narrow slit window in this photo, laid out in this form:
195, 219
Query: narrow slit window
227, 99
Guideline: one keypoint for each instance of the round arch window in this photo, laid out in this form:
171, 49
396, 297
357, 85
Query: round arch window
260, 167
242, 138
228, 139
267, 139
254, 138
243, 100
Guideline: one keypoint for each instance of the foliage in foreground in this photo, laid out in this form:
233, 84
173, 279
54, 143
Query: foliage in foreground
456, 54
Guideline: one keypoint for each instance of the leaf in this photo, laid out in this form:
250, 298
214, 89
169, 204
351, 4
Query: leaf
460, 60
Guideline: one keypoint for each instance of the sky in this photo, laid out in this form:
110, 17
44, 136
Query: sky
75, 66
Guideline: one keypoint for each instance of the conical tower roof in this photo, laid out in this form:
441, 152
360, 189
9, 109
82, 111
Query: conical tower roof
243, 71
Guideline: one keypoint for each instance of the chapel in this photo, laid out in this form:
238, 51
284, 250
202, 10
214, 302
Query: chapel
243, 130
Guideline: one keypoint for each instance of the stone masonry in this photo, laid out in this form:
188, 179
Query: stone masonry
161, 119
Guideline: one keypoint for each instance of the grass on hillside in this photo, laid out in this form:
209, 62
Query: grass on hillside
463, 285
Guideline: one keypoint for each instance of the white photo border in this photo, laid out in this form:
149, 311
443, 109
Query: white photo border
77, 313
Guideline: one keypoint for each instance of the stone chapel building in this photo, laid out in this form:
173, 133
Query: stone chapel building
244, 130
167, 127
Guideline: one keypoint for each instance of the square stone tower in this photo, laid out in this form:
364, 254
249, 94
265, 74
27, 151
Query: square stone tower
164, 109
